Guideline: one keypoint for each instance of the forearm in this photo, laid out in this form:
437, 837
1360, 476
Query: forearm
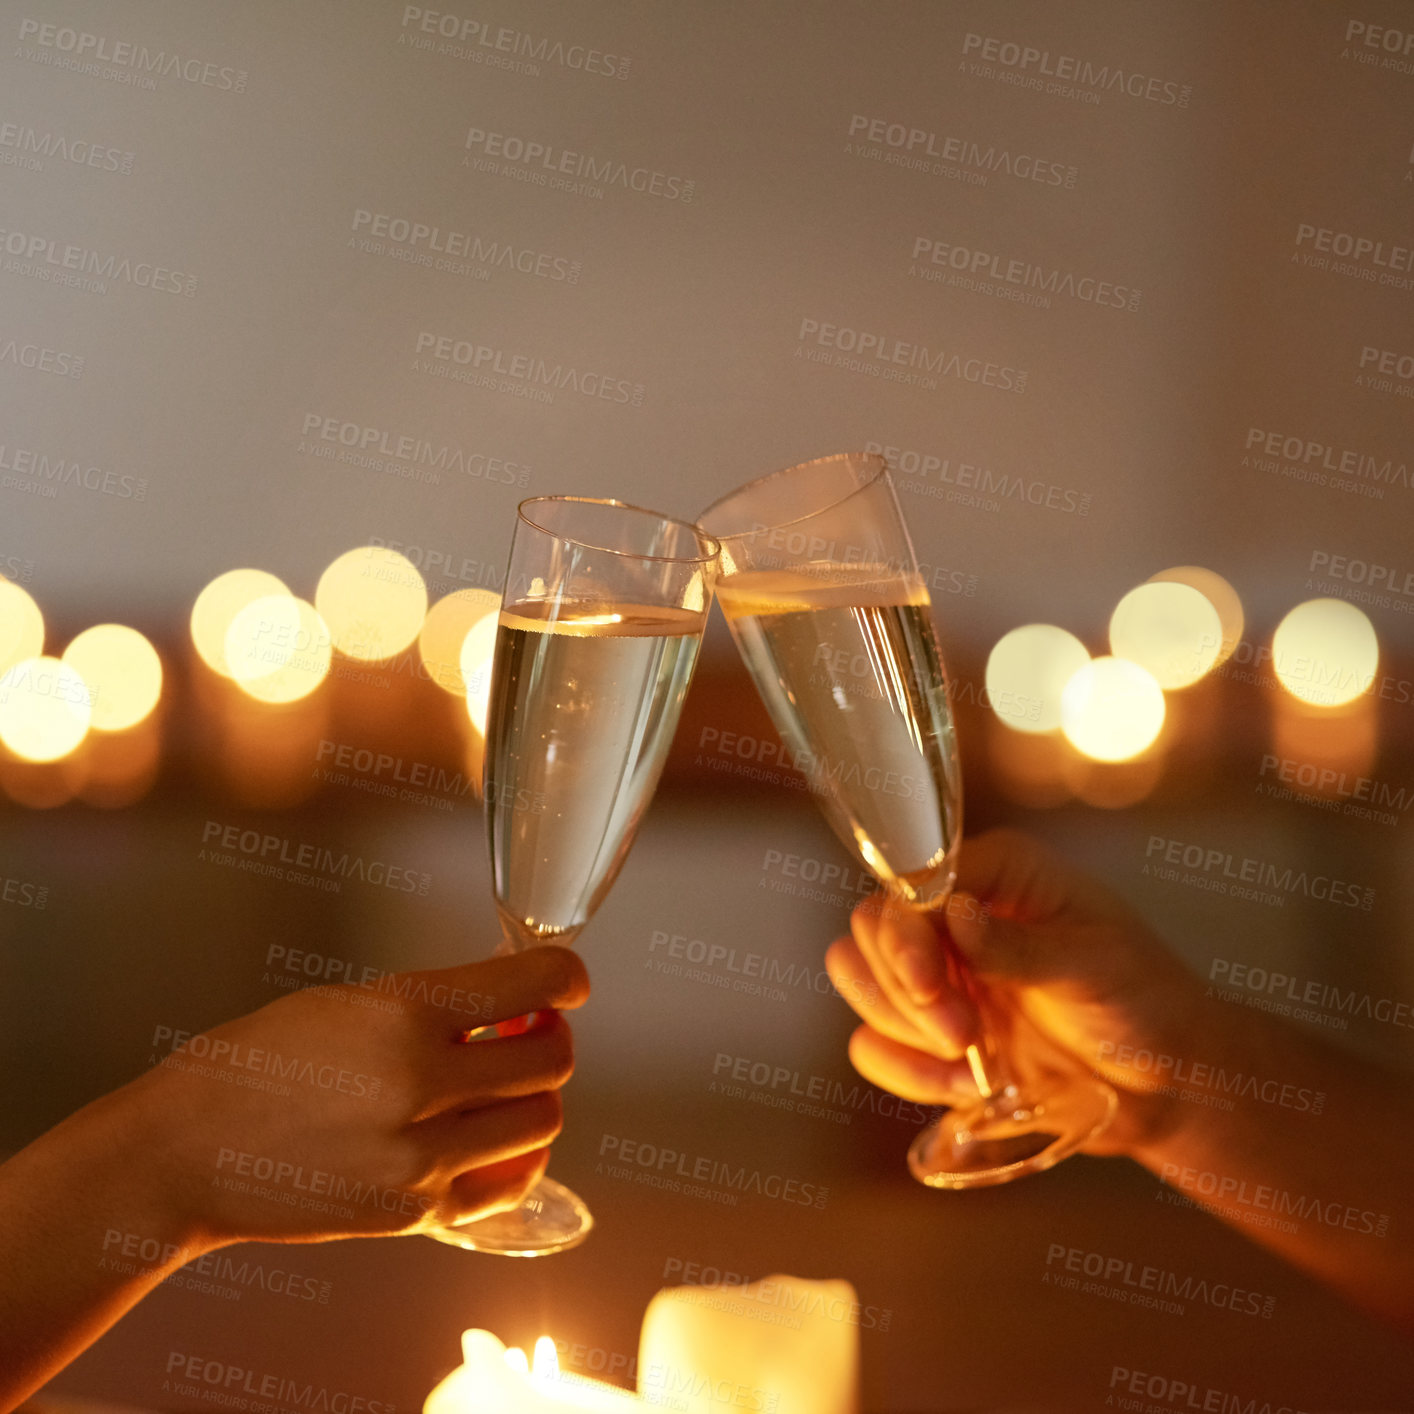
70, 1204
1298, 1181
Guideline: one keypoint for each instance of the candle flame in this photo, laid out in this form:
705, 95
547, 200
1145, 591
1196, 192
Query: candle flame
515, 1358
547, 1363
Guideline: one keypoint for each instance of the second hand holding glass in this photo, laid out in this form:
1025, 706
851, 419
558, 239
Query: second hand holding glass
822, 592
599, 629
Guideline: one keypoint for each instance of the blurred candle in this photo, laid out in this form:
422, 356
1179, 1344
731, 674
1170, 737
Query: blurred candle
494, 1380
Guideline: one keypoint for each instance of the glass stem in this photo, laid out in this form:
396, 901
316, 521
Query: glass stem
984, 1058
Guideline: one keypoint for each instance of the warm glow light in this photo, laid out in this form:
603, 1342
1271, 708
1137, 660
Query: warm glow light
1169, 629
1325, 652
447, 625
515, 1358
546, 1364
21, 625
219, 603
44, 709
1112, 709
1219, 593
1027, 672
279, 649
374, 601
122, 670
478, 650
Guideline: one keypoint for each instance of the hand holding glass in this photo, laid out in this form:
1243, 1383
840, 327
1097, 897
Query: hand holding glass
599, 630
821, 590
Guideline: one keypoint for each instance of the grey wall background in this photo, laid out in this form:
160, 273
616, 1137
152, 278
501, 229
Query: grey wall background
154, 437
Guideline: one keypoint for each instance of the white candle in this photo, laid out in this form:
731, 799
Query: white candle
494, 1380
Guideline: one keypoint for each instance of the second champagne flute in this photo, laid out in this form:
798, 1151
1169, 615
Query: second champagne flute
600, 624
822, 592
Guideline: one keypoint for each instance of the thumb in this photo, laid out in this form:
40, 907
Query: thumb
996, 946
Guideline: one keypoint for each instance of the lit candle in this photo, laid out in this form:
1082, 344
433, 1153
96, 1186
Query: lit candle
495, 1380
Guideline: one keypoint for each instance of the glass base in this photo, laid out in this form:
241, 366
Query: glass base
550, 1218
1011, 1134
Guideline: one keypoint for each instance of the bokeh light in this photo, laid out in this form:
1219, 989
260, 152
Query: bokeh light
45, 708
1325, 652
1112, 709
1026, 673
21, 625
1171, 630
1219, 593
374, 601
478, 651
444, 632
279, 649
123, 672
217, 606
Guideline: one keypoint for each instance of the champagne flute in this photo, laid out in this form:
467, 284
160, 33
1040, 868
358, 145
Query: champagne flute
602, 617
821, 590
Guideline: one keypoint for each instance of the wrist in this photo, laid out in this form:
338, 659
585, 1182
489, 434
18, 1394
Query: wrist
137, 1179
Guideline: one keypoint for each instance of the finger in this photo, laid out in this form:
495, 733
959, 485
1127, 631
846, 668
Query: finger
856, 984
946, 1022
484, 1072
457, 1141
908, 1072
1017, 875
492, 1188
501, 987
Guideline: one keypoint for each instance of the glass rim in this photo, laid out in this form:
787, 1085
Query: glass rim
698, 532
881, 470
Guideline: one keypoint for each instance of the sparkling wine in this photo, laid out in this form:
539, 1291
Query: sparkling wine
849, 668
585, 698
